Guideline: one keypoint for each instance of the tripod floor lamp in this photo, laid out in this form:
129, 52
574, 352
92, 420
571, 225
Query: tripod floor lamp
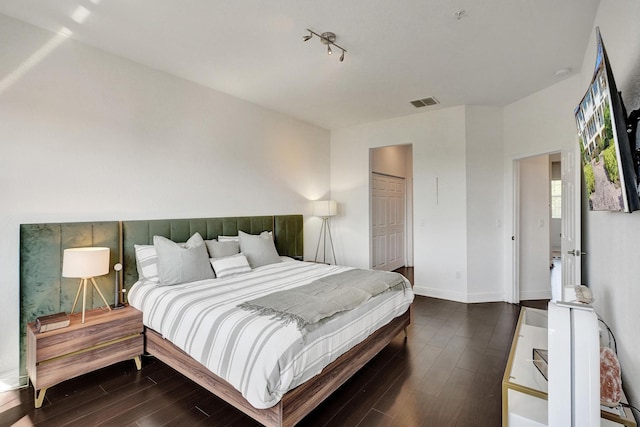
325, 209
85, 264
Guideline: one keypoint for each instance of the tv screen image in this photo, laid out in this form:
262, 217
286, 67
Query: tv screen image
607, 161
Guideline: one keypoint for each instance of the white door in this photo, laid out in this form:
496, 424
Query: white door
387, 221
571, 222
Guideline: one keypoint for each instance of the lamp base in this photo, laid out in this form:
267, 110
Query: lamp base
117, 307
83, 287
324, 229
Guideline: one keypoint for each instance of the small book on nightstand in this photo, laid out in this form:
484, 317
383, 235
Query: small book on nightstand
52, 321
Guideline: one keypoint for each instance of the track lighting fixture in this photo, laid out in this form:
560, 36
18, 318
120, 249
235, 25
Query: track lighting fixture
327, 38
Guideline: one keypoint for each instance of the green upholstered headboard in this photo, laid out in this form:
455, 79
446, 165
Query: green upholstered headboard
43, 290
287, 230
179, 230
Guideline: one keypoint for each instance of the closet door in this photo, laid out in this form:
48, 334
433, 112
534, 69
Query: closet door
387, 221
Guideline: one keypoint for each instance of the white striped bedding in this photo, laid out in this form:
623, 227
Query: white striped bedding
260, 357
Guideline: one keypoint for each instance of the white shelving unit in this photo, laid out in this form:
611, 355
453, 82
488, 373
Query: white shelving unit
525, 390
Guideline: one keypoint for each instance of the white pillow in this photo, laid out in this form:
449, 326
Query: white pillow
182, 263
231, 265
222, 249
147, 262
259, 250
264, 234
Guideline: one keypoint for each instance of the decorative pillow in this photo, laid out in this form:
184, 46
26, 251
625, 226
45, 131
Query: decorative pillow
147, 262
259, 250
237, 238
231, 265
182, 263
222, 249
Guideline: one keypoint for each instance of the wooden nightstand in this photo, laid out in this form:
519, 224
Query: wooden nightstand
105, 338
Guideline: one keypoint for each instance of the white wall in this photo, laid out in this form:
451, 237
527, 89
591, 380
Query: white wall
442, 200
485, 204
538, 124
534, 228
543, 123
439, 224
89, 136
611, 239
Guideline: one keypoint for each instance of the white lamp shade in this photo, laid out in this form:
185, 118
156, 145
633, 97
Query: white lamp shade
325, 208
85, 262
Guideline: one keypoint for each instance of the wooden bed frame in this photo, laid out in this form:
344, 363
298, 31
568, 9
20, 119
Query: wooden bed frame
296, 403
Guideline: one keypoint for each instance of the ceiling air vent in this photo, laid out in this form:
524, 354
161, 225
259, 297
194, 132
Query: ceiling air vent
419, 103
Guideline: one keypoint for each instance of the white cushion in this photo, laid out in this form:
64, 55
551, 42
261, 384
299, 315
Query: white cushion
147, 262
231, 265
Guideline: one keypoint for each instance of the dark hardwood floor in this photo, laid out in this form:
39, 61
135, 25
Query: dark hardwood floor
448, 373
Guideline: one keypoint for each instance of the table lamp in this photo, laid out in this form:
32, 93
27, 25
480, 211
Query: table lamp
85, 264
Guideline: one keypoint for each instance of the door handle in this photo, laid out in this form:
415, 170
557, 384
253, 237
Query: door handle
576, 252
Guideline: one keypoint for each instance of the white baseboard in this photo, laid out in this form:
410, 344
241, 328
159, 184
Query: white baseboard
537, 294
458, 296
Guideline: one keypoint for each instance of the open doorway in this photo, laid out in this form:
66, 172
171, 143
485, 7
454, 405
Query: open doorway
391, 207
539, 211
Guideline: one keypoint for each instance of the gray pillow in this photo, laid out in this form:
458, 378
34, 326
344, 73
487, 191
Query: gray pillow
222, 249
182, 263
259, 250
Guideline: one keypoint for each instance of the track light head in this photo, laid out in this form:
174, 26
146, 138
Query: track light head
327, 38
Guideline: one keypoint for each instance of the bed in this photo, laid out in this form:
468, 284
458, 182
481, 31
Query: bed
310, 387
302, 387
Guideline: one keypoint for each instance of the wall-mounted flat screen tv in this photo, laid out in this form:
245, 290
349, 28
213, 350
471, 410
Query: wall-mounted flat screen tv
607, 161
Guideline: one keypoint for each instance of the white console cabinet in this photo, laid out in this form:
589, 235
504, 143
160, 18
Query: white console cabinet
525, 390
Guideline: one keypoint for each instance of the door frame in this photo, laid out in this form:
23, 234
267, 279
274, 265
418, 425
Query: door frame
408, 208
567, 156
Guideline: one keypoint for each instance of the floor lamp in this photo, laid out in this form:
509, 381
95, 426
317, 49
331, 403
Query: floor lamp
85, 264
325, 209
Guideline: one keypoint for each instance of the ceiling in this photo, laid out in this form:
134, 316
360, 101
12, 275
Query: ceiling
497, 52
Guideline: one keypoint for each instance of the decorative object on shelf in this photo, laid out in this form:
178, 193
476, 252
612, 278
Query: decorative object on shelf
610, 378
583, 294
325, 209
328, 38
541, 361
52, 321
85, 264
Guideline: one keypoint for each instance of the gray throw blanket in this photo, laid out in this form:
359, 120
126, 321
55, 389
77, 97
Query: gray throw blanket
324, 297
